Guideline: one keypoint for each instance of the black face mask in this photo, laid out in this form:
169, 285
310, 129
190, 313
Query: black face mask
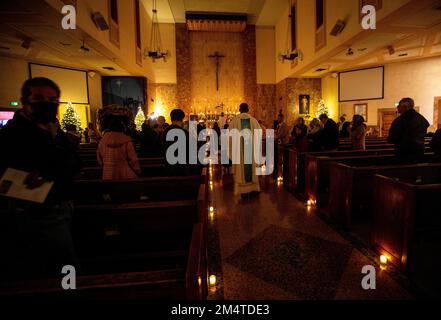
44, 111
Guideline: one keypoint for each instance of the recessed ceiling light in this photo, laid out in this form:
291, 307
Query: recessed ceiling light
4, 48
65, 44
320, 69
362, 49
403, 54
109, 68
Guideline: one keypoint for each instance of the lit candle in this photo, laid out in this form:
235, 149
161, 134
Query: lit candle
212, 280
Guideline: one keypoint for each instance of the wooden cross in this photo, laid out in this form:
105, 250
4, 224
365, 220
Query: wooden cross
217, 56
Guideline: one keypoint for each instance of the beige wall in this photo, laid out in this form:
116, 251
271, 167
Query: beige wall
420, 80
335, 9
265, 55
13, 73
330, 95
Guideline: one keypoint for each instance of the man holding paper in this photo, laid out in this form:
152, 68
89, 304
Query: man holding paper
33, 143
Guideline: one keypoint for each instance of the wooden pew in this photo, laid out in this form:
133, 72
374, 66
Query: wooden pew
175, 283
142, 161
144, 249
149, 170
296, 180
139, 190
317, 170
351, 187
407, 226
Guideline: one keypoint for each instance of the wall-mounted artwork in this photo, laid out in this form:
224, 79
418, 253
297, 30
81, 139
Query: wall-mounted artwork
362, 110
304, 103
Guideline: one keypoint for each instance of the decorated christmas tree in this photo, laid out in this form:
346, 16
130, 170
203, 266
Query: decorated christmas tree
322, 109
139, 119
71, 118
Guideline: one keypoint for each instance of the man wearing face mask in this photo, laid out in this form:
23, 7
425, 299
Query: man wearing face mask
33, 142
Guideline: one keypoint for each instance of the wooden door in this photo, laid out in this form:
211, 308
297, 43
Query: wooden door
386, 119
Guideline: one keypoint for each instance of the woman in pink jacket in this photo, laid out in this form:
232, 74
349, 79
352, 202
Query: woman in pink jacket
117, 155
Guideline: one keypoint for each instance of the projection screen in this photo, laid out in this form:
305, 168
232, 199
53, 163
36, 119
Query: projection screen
366, 84
73, 83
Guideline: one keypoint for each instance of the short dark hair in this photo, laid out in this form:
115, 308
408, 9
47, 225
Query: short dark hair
116, 125
409, 102
177, 115
244, 107
38, 82
323, 116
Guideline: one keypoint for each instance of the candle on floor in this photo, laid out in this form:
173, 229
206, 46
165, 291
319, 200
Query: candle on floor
212, 280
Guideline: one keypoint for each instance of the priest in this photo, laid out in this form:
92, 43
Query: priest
246, 181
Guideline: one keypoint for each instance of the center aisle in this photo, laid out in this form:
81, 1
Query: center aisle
273, 247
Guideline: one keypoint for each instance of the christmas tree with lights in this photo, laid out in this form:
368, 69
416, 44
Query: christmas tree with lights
322, 109
71, 118
139, 119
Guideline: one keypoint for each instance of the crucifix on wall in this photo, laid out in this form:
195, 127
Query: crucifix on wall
217, 56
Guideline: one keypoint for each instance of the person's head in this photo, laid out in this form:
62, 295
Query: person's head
160, 120
244, 108
116, 125
314, 123
177, 117
323, 118
405, 105
215, 125
40, 98
301, 131
300, 120
357, 121
280, 118
342, 119
91, 125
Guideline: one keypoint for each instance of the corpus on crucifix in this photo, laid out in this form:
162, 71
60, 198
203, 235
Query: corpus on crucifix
217, 56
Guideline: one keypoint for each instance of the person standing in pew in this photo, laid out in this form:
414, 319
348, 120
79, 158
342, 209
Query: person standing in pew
358, 133
40, 241
177, 117
314, 133
435, 143
116, 154
408, 131
329, 140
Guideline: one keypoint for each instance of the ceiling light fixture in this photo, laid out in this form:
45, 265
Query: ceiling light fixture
290, 53
155, 51
83, 48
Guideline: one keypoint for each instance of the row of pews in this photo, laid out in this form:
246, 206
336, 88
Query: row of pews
391, 206
135, 239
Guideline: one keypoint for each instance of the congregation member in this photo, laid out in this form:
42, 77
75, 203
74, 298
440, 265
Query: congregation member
301, 142
408, 131
329, 140
149, 140
358, 133
299, 122
41, 242
435, 143
344, 127
116, 154
177, 123
92, 134
246, 182
314, 132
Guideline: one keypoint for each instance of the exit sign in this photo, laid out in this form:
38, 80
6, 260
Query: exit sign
13, 103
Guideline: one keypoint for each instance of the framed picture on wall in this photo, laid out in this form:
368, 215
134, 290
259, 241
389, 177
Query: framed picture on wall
362, 110
304, 103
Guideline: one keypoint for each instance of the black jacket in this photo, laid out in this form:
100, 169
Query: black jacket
407, 134
27, 147
435, 144
329, 135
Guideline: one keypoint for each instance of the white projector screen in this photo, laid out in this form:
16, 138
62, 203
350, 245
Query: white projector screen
73, 83
366, 84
